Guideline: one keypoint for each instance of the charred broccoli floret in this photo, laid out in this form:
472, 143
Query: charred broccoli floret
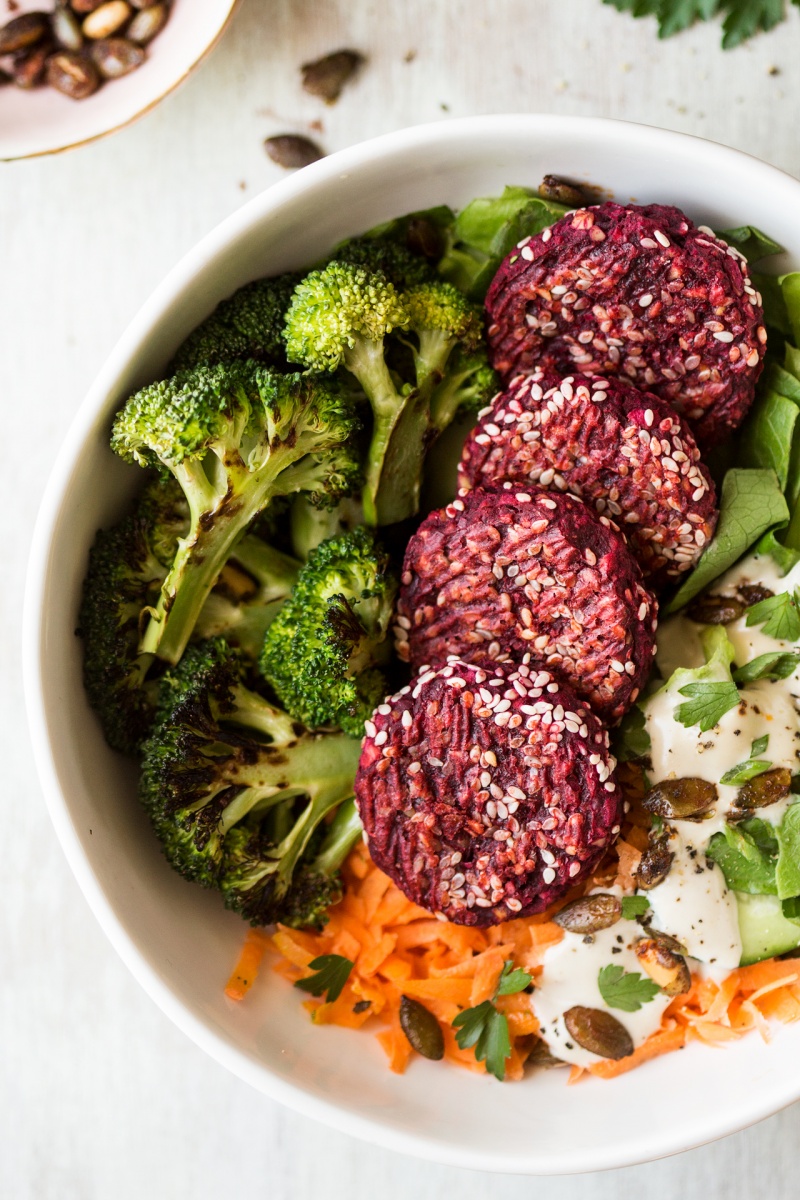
321, 651
235, 788
234, 436
248, 880
352, 315
249, 324
127, 567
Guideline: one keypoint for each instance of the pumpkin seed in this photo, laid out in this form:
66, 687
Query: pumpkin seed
665, 966
654, 865
754, 593
72, 74
681, 799
598, 1032
765, 789
291, 151
421, 1028
542, 1057
115, 57
327, 76
147, 24
23, 32
28, 69
563, 191
590, 913
66, 28
715, 610
106, 20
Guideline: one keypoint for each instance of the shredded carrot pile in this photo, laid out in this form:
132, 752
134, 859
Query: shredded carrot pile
400, 950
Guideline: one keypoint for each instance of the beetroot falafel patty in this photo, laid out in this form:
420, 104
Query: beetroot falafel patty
533, 576
486, 794
625, 452
639, 292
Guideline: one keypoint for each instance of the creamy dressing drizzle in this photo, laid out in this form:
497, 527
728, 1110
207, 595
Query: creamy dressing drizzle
693, 903
569, 978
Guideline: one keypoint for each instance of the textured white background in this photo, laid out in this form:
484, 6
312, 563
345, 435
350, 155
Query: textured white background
100, 1097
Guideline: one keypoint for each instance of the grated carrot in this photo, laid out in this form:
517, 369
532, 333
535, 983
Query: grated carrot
399, 949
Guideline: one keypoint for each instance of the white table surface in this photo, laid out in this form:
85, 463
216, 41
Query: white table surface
101, 1098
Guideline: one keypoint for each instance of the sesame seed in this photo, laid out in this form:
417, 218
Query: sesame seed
548, 875
724, 336
574, 869
646, 300
369, 729
414, 768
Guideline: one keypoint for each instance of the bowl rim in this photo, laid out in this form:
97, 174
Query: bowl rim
49, 151
653, 1143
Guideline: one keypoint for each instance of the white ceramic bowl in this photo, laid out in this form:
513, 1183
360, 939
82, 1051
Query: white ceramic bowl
177, 940
43, 121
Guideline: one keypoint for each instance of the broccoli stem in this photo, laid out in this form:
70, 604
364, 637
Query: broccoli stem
365, 360
217, 525
432, 353
274, 571
343, 833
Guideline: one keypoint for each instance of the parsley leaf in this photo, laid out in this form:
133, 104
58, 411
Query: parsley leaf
487, 1029
634, 906
331, 974
511, 980
743, 18
627, 990
707, 704
777, 615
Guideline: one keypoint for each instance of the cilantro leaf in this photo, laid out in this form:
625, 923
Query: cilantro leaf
746, 17
777, 615
511, 980
634, 906
627, 990
331, 974
707, 704
487, 1030
776, 665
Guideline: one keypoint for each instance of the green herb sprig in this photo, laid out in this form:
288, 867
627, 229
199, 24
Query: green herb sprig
487, 1029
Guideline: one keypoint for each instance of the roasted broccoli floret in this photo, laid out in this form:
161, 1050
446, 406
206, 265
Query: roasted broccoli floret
249, 324
234, 436
353, 316
321, 651
402, 268
235, 788
248, 881
127, 567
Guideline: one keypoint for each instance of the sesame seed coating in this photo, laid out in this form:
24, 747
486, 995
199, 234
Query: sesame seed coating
487, 809
624, 452
639, 292
534, 576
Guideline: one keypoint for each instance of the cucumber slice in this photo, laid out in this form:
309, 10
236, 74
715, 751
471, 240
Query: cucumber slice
765, 931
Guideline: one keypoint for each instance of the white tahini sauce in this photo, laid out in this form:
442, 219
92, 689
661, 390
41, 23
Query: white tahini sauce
569, 978
693, 903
